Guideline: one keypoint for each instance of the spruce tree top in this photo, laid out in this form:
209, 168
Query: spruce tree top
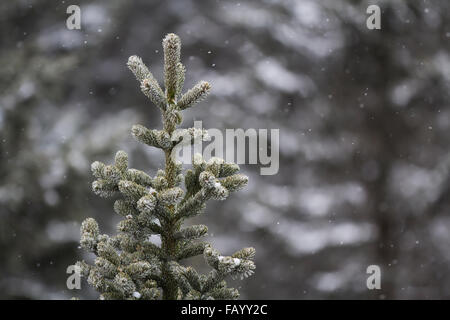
128, 265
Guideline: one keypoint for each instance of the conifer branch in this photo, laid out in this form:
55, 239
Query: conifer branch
194, 95
154, 138
148, 83
172, 47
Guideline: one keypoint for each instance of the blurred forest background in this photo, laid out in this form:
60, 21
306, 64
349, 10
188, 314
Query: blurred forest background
364, 123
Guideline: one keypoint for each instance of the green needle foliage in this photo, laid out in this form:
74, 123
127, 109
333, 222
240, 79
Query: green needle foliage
129, 265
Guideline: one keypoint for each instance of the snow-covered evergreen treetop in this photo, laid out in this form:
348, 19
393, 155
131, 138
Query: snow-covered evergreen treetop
129, 265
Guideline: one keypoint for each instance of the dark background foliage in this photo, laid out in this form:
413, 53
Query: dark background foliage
364, 123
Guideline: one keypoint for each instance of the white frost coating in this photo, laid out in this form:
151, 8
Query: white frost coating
127, 184
151, 190
215, 160
198, 159
95, 165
